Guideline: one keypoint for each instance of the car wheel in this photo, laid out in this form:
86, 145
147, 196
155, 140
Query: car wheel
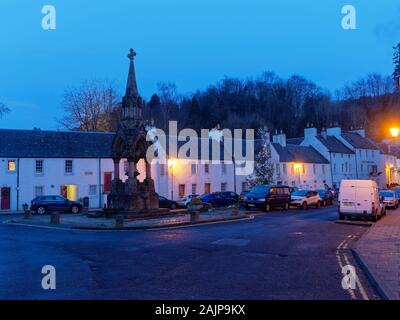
41, 210
304, 205
173, 206
267, 207
75, 209
341, 217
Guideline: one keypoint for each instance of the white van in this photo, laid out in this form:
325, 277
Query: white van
360, 198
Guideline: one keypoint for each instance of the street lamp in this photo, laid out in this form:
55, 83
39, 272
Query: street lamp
395, 132
171, 165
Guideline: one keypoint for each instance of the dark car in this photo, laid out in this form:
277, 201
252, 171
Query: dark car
327, 197
44, 204
166, 203
267, 197
216, 199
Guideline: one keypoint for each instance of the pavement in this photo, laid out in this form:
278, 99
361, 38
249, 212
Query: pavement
379, 252
290, 255
82, 221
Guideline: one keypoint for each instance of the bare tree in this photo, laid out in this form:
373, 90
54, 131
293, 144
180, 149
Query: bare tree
91, 107
3, 109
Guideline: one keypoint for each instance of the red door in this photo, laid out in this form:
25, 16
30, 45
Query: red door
107, 182
5, 198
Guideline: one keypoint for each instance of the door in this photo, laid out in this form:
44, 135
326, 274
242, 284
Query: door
5, 198
107, 182
181, 191
207, 187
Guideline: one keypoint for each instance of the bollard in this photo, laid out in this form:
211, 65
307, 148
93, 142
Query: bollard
119, 221
55, 218
28, 214
235, 211
194, 216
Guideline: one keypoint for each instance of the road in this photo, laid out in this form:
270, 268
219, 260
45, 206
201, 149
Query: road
280, 255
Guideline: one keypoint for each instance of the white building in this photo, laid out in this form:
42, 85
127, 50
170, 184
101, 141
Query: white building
299, 166
79, 164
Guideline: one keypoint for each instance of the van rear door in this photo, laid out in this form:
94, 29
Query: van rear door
348, 199
364, 198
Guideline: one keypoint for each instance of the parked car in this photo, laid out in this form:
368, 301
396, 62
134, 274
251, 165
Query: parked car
216, 199
267, 197
389, 198
360, 198
43, 204
185, 201
397, 191
166, 203
327, 196
304, 198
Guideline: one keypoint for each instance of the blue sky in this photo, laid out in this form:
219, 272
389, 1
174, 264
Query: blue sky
193, 43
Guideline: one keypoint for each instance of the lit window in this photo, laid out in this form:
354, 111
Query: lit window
68, 166
11, 165
39, 166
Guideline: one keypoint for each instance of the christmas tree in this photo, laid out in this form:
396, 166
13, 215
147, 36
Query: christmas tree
263, 166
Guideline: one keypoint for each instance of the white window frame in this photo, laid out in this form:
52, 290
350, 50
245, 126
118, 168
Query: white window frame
94, 186
72, 166
35, 193
36, 166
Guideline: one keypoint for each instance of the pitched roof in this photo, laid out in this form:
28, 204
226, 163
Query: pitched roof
295, 153
333, 144
296, 141
54, 144
359, 141
78, 144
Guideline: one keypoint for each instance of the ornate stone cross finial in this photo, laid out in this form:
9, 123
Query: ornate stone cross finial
131, 54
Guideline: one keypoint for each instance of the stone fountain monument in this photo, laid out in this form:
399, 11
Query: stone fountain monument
132, 196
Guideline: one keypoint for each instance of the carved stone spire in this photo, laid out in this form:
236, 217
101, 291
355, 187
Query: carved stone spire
132, 103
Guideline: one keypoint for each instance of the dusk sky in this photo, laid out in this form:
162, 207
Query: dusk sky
194, 43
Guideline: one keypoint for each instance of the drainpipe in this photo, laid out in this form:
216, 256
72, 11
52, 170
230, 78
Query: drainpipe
234, 175
17, 184
331, 166
100, 194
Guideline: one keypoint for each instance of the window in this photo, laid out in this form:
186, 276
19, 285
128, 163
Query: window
284, 169
345, 165
342, 167
292, 169
314, 168
334, 167
11, 165
323, 169
194, 188
278, 170
206, 168
304, 169
68, 166
92, 190
362, 168
366, 153
39, 191
223, 167
194, 168
223, 186
349, 167
39, 166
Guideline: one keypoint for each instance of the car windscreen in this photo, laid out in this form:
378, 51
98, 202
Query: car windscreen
260, 190
387, 194
300, 193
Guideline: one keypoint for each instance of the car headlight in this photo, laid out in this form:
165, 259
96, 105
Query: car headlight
260, 200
